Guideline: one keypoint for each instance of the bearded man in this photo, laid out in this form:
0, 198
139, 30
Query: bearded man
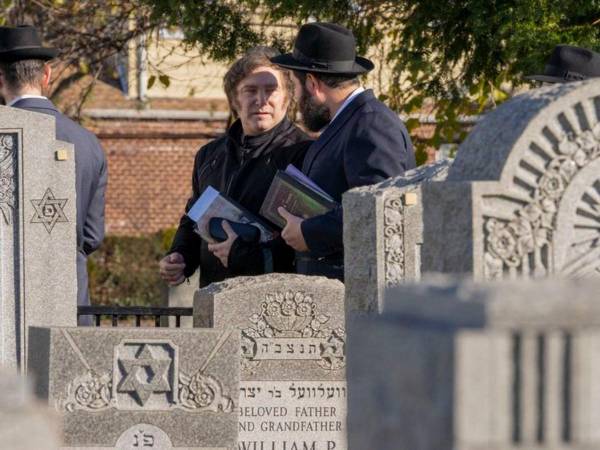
362, 141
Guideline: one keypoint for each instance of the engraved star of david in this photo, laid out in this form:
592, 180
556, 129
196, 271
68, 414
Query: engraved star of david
145, 375
49, 210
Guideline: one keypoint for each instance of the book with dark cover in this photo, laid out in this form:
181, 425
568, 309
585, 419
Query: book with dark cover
295, 195
245, 231
214, 204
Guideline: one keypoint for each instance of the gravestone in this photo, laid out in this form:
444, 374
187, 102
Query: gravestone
38, 281
25, 424
135, 388
383, 234
459, 365
293, 380
522, 198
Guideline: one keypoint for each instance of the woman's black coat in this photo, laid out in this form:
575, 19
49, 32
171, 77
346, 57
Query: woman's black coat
242, 172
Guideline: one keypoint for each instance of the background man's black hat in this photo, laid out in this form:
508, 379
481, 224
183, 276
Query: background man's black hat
324, 48
23, 42
568, 63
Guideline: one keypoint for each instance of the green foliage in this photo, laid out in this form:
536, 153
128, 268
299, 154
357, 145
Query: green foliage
124, 271
165, 80
463, 57
151, 81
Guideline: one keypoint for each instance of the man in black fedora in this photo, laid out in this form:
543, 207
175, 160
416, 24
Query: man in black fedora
24, 76
568, 63
362, 142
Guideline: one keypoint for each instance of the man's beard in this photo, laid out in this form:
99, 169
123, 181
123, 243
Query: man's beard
314, 116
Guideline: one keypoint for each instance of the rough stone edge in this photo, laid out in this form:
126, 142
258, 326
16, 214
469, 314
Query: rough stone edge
436, 171
472, 162
233, 284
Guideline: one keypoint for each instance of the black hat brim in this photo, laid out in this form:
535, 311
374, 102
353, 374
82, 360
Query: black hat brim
546, 79
287, 61
20, 54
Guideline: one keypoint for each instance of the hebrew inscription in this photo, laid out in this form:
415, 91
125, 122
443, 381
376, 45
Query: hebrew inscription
8, 157
292, 415
49, 210
144, 436
289, 327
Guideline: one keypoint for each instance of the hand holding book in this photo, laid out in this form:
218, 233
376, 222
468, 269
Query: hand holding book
296, 193
212, 204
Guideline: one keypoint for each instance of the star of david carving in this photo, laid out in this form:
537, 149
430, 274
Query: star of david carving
49, 210
145, 375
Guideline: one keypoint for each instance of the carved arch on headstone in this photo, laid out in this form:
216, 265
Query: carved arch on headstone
543, 217
577, 251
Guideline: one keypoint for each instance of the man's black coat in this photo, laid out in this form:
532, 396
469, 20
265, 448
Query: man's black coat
365, 144
244, 178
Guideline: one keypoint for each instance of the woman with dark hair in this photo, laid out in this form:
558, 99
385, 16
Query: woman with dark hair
241, 165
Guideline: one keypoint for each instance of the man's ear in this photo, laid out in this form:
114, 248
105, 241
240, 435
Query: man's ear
46, 77
312, 84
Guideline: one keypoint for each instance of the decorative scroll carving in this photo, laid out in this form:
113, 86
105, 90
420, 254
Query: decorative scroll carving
90, 392
393, 240
289, 327
526, 239
8, 144
204, 393
143, 369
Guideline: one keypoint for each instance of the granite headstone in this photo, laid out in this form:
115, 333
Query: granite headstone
461, 365
38, 281
383, 235
293, 379
522, 199
129, 388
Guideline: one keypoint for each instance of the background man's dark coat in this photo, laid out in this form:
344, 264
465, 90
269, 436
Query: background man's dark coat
365, 144
91, 177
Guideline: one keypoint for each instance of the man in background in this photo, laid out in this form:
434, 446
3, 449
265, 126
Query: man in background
362, 142
568, 63
24, 76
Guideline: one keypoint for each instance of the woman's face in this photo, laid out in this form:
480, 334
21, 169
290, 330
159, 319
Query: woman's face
261, 100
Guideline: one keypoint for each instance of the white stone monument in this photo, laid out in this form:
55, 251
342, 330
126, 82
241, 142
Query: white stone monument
522, 198
38, 279
293, 378
460, 365
383, 235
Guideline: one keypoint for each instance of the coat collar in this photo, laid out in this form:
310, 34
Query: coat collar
37, 103
334, 127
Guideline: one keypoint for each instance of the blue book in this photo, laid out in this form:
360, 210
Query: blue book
214, 204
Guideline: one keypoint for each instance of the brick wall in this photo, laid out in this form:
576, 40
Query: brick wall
150, 166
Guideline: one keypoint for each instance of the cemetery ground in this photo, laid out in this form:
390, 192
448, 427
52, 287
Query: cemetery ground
469, 317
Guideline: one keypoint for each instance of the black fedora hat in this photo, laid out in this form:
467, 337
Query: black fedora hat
23, 42
324, 48
568, 63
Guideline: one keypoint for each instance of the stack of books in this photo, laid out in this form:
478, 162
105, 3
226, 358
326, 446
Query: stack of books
290, 189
